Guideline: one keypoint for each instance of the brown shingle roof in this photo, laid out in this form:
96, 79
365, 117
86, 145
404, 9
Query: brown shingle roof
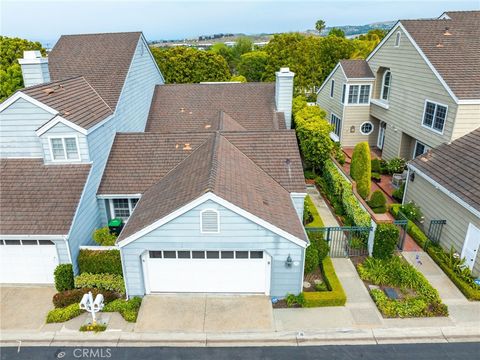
217, 166
196, 107
38, 199
103, 59
357, 69
458, 58
456, 166
139, 160
74, 99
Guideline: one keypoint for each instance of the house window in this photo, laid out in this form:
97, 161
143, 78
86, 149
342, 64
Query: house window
209, 221
420, 149
397, 39
122, 208
359, 94
434, 116
386, 83
64, 148
344, 90
366, 128
332, 88
337, 124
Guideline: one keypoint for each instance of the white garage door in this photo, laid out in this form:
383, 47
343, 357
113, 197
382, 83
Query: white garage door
207, 271
27, 261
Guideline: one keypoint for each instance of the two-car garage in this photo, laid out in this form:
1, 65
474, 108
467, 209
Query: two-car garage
229, 271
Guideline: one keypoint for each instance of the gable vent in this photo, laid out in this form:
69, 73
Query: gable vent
209, 221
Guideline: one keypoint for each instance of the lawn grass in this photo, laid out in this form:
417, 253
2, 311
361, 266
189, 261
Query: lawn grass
317, 220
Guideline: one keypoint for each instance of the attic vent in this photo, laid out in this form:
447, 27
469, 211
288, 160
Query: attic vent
182, 110
447, 33
209, 221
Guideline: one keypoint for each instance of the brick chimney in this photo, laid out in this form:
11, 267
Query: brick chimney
34, 68
284, 93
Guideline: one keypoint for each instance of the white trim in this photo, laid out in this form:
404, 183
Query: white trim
33, 61
21, 95
98, 247
367, 122
100, 124
327, 80
146, 279
380, 103
58, 119
434, 114
354, 80
130, 207
468, 102
298, 195
406, 185
201, 222
398, 38
444, 16
68, 250
341, 126
424, 57
220, 201
63, 137
445, 191
415, 148
343, 95
471, 228
33, 237
357, 103
124, 271
383, 86
120, 196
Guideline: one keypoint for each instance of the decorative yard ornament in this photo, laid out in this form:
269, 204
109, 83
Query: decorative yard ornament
91, 306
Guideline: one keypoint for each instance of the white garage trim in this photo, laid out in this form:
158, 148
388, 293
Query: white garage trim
220, 201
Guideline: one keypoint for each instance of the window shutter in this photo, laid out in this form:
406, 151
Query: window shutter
209, 221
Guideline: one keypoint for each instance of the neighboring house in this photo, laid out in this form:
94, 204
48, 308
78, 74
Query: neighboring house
445, 183
418, 89
55, 137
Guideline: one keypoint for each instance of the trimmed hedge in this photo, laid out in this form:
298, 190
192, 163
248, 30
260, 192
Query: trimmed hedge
100, 262
378, 202
311, 259
64, 314
335, 297
110, 282
103, 237
63, 275
385, 241
69, 297
311, 208
361, 168
127, 308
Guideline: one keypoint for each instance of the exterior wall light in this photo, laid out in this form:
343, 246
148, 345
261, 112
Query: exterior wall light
412, 177
352, 129
289, 261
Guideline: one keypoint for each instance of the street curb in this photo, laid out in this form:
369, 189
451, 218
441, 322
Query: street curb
280, 338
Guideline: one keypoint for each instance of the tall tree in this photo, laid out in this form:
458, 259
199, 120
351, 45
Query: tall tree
11, 49
336, 32
320, 25
188, 65
252, 65
225, 52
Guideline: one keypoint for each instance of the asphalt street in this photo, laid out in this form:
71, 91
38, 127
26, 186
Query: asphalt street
333, 352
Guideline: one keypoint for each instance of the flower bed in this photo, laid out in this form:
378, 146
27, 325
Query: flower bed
416, 297
461, 277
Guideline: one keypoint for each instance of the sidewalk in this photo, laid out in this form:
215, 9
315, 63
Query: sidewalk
322, 207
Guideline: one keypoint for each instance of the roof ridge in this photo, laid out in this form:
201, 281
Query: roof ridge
105, 33
51, 82
96, 92
212, 174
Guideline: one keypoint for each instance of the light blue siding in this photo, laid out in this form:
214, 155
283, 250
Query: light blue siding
62, 250
18, 124
236, 232
298, 203
63, 130
130, 116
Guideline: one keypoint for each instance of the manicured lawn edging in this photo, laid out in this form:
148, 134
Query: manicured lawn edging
335, 297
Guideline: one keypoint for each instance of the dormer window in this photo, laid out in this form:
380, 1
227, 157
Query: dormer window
64, 149
209, 221
397, 38
386, 83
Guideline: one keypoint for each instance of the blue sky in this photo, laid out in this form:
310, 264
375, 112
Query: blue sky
47, 20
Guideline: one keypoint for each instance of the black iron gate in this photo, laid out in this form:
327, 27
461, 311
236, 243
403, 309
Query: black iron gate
345, 241
435, 230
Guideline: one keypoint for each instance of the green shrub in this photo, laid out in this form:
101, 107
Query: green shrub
323, 249
295, 300
376, 176
63, 314
127, 308
412, 211
111, 282
361, 168
398, 193
311, 259
69, 297
334, 297
385, 241
321, 287
100, 262
396, 166
377, 200
310, 207
103, 237
376, 168
309, 174
339, 154
63, 276
93, 327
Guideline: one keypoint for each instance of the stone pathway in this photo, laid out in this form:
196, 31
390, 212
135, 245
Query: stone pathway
322, 207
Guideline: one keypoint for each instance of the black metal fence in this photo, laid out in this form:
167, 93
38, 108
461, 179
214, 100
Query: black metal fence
345, 241
435, 230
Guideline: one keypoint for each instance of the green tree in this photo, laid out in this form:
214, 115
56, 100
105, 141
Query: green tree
188, 65
225, 52
11, 49
238, 78
242, 46
361, 168
320, 25
336, 32
252, 65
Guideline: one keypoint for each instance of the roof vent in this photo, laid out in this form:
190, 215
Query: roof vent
439, 45
182, 110
187, 147
208, 126
49, 91
446, 32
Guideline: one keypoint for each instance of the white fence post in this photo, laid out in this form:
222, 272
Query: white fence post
371, 237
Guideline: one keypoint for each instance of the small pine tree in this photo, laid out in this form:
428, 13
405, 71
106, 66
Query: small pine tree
361, 168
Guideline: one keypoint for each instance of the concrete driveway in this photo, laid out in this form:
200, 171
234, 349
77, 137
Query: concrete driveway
24, 307
205, 313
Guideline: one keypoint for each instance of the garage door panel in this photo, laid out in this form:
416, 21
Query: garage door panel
27, 264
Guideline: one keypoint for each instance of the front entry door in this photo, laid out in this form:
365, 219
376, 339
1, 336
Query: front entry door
381, 135
471, 245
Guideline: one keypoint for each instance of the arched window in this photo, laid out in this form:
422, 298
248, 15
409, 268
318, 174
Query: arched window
397, 38
386, 84
209, 221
